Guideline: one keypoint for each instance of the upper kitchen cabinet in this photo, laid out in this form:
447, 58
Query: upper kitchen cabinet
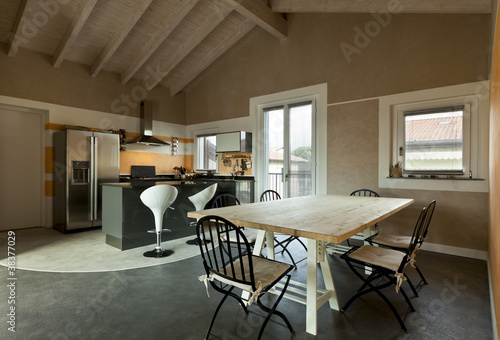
238, 141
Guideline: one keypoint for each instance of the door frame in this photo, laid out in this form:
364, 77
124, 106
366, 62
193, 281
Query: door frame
317, 93
44, 119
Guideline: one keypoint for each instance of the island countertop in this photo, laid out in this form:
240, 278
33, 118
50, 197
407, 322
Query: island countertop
126, 219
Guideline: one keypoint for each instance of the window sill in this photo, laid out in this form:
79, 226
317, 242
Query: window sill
438, 178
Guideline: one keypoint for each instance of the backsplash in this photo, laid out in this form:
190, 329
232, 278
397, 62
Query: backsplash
228, 164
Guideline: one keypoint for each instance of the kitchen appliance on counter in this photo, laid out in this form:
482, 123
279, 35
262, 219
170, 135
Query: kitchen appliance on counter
83, 160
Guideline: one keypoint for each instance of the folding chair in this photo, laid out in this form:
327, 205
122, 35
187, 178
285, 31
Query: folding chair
227, 268
271, 195
385, 263
226, 200
341, 248
402, 243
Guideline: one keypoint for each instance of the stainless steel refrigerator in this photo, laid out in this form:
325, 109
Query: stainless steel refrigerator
83, 160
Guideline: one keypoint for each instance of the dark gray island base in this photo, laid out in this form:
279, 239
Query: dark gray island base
126, 220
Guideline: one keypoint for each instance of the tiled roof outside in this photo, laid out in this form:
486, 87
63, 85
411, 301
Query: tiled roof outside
431, 130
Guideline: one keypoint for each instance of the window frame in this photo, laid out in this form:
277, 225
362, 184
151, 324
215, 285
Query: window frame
470, 133
432, 108
198, 165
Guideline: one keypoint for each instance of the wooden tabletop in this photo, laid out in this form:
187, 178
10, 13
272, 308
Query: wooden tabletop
329, 218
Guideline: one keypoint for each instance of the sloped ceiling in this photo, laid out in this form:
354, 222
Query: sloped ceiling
169, 42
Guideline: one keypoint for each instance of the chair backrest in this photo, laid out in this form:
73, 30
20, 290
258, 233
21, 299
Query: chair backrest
158, 198
221, 258
225, 200
428, 218
201, 199
415, 238
364, 192
269, 195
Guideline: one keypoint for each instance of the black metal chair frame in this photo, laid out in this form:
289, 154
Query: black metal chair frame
366, 193
222, 260
271, 195
378, 273
428, 217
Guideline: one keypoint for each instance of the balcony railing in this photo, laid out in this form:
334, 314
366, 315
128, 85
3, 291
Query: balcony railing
299, 183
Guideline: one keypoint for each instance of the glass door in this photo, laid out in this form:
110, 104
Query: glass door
290, 149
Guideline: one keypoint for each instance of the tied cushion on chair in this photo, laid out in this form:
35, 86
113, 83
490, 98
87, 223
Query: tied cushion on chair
385, 263
402, 243
387, 258
265, 273
393, 241
231, 265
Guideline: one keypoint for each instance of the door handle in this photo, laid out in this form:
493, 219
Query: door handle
286, 177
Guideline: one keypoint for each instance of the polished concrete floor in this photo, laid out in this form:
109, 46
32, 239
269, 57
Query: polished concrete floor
168, 302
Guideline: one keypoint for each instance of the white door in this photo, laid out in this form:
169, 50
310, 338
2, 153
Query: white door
21, 187
290, 149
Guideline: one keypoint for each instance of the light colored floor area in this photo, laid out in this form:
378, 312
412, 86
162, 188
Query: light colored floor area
42, 249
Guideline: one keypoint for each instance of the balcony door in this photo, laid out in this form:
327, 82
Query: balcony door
290, 149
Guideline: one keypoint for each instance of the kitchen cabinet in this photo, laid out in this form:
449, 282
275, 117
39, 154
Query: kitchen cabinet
238, 141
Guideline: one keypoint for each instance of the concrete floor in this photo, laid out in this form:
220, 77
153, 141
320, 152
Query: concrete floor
168, 302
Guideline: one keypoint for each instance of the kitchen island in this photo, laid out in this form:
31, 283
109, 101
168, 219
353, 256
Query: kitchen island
126, 220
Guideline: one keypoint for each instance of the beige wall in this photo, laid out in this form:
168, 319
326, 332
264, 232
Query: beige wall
29, 75
414, 51
460, 219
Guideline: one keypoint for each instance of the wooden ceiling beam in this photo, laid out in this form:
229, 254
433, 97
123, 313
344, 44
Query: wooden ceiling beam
16, 37
211, 57
76, 25
262, 15
170, 23
120, 34
161, 71
368, 6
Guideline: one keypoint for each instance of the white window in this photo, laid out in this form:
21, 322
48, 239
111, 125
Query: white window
436, 137
434, 140
207, 156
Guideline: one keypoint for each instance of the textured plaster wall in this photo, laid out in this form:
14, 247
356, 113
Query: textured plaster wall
460, 219
411, 52
30, 75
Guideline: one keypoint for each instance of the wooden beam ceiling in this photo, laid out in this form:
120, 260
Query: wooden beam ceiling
211, 57
367, 6
16, 36
261, 15
196, 37
81, 16
170, 23
120, 34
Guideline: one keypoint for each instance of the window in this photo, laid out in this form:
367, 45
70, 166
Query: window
434, 138
207, 157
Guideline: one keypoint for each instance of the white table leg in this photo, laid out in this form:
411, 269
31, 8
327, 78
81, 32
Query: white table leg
316, 253
312, 286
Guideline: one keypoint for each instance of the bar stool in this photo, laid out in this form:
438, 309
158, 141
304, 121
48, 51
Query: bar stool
158, 199
199, 201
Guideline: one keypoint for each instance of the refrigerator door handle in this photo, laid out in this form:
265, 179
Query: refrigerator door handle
93, 178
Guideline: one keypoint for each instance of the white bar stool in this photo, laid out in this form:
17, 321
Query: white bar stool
158, 199
199, 201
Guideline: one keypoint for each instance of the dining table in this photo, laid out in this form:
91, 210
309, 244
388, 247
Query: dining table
321, 219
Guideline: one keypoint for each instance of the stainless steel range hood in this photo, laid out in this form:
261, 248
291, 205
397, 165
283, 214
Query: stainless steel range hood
146, 137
